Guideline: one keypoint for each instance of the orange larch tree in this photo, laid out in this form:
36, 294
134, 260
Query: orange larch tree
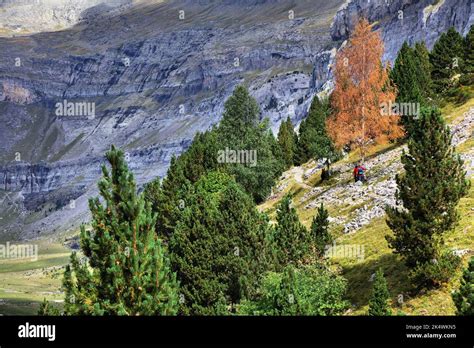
362, 86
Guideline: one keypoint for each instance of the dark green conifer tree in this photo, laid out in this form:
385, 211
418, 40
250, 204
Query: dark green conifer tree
320, 230
219, 246
169, 200
291, 239
422, 61
412, 76
313, 140
125, 270
202, 156
378, 305
405, 76
429, 190
469, 57
241, 130
241, 114
446, 60
287, 140
196, 161
152, 193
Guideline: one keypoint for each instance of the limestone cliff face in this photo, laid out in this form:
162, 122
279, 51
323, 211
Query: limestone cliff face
158, 72
405, 20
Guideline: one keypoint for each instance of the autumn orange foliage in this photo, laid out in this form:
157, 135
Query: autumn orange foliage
362, 85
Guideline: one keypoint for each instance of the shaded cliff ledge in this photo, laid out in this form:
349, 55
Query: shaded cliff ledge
43, 177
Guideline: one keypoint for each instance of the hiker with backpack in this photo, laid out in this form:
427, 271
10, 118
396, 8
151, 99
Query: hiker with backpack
359, 173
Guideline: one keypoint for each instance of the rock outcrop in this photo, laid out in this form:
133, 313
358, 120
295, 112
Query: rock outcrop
405, 20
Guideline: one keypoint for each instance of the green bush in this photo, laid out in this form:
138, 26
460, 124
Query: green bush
47, 309
436, 272
464, 297
459, 95
305, 291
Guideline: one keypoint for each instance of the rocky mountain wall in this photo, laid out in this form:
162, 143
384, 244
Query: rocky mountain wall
158, 72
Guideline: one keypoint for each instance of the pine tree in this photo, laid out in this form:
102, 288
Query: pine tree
404, 75
291, 239
125, 270
202, 156
241, 114
412, 76
469, 57
378, 305
464, 297
152, 193
287, 140
320, 230
313, 141
241, 130
169, 200
199, 159
430, 189
446, 60
218, 248
423, 76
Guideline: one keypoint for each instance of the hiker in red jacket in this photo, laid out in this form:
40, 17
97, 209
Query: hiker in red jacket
359, 173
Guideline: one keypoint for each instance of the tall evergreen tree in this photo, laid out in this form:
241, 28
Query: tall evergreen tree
313, 140
152, 193
291, 238
287, 140
241, 115
196, 161
404, 74
430, 188
202, 156
320, 230
125, 270
241, 130
412, 76
447, 60
169, 200
218, 247
378, 305
464, 297
469, 57
422, 61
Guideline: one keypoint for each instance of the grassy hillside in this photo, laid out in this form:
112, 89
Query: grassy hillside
347, 203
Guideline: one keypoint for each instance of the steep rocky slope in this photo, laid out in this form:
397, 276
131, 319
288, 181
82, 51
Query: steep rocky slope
50, 15
355, 205
158, 72
405, 20
357, 219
